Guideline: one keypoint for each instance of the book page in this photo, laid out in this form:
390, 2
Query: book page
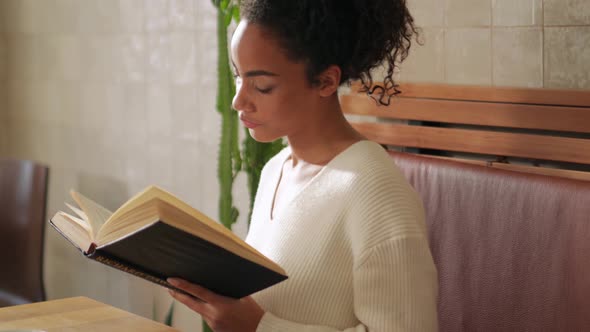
83, 223
79, 213
153, 192
96, 214
74, 229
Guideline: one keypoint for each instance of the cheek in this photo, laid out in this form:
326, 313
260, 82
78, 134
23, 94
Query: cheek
276, 106
286, 108
289, 111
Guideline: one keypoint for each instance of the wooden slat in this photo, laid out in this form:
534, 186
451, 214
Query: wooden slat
563, 173
572, 150
495, 94
558, 118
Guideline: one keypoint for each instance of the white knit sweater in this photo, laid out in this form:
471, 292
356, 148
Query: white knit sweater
354, 246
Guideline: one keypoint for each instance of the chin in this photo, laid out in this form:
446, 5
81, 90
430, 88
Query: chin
262, 137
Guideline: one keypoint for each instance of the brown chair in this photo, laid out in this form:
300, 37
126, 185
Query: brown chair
512, 249
23, 197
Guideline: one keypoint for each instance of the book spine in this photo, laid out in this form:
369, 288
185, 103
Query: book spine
106, 260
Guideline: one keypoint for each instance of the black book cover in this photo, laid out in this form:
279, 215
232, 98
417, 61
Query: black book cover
159, 251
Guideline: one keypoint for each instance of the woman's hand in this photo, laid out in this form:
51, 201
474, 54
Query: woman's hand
222, 314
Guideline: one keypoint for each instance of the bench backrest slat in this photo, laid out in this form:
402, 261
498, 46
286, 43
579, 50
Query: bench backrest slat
573, 150
509, 115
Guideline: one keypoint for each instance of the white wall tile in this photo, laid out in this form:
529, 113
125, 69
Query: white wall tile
22, 16
182, 15
468, 13
158, 58
23, 56
56, 16
98, 16
3, 119
156, 15
517, 12
185, 113
62, 58
427, 13
426, 61
468, 56
567, 12
205, 17
109, 16
133, 14
132, 52
4, 115
4, 10
3, 57
518, 57
159, 110
567, 57
183, 58
114, 58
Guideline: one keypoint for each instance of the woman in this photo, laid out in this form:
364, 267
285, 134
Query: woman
331, 208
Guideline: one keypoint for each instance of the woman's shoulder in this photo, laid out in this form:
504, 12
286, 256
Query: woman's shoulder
368, 161
383, 205
374, 183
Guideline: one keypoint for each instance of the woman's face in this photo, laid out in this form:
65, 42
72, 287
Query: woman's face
273, 96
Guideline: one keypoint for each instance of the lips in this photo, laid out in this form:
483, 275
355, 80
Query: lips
248, 123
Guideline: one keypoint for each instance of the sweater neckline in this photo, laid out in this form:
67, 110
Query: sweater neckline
278, 175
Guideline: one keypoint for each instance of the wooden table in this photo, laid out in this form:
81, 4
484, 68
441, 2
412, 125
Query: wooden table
75, 314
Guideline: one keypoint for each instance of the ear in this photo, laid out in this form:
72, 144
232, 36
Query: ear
329, 81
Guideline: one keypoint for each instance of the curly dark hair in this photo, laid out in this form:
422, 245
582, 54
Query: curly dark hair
356, 35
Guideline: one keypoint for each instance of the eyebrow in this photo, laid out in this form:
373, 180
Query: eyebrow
254, 73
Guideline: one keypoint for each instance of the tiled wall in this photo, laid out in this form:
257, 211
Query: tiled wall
524, 43
113, 95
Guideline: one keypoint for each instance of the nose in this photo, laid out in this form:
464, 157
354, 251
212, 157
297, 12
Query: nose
240, 101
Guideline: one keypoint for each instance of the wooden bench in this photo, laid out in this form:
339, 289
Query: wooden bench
509, 233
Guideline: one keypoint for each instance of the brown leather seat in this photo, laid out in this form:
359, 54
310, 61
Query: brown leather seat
512, 249
23, 197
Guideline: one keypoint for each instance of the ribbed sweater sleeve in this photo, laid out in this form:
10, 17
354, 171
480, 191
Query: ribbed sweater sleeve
394, 291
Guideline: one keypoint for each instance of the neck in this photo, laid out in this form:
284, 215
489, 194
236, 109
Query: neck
325, 137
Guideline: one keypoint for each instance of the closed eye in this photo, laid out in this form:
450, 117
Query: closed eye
265, 91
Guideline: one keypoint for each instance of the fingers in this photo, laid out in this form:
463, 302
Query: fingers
220, 312
195, 290
191, 302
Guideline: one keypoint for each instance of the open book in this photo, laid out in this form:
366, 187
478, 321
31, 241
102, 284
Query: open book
155, 235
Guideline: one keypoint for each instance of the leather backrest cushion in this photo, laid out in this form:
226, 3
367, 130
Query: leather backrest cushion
512, 249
